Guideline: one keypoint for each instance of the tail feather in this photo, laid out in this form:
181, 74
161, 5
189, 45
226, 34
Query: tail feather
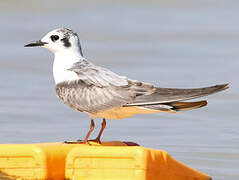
179, 106
176, 106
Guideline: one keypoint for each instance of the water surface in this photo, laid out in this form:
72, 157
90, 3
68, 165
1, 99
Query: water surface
168, 43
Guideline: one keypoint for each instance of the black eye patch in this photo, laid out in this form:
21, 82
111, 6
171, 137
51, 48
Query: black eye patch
66, 42
54, 38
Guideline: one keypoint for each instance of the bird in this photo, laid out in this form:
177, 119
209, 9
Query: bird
101, 93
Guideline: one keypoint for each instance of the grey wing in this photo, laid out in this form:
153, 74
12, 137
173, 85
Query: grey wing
90, 98
96, 89
97, 76
100, 89
168, 95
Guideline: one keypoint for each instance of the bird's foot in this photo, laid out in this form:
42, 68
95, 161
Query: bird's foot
97, 140
77, 142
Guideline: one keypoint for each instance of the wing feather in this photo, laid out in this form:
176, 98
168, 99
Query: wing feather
97, 76
166, 95
99, 89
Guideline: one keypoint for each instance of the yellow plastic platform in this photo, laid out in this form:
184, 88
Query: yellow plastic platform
109, 161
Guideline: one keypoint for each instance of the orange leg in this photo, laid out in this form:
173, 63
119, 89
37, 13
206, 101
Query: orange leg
103, 125
92, 126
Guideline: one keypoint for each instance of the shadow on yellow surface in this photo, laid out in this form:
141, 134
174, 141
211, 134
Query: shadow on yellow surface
109, 160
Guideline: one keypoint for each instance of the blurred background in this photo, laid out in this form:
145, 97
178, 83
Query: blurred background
169, 43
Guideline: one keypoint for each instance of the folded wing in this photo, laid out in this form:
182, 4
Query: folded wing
99, 89
167, 95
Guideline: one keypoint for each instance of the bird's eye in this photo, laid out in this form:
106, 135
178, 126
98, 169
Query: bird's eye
54, 38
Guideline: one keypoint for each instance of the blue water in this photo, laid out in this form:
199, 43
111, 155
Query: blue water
167, 43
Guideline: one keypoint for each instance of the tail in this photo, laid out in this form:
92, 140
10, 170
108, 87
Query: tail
179, 106
174, 106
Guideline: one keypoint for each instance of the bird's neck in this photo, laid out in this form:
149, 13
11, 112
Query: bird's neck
62, 62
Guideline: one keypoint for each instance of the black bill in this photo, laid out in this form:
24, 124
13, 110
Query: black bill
37, 43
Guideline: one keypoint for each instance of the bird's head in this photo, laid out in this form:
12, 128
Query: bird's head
59, 40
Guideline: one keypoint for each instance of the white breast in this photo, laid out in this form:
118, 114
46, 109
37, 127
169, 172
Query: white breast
62, 62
